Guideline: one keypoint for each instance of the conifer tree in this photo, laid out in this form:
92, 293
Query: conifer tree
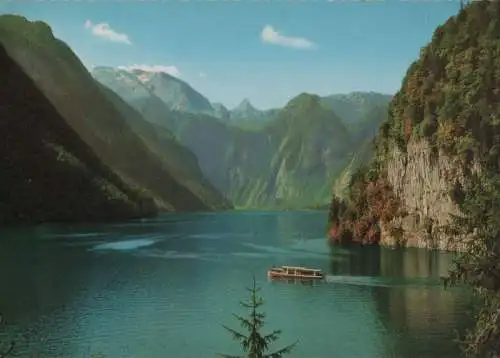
254, 344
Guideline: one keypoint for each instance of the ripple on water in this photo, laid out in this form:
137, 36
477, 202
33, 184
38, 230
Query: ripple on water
172, 254
124, 245
273, 251
76, 235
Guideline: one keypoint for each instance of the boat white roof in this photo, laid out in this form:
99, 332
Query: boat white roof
301, 268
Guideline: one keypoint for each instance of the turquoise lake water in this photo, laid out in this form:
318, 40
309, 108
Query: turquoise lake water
163, 288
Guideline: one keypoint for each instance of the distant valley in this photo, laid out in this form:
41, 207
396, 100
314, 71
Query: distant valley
280, 158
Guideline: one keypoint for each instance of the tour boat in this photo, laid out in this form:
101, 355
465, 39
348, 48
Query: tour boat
295, 272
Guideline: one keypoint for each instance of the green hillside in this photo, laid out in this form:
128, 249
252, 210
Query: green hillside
47, 172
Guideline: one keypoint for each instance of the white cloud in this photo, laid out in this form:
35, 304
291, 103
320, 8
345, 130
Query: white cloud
271, 36
105, 31
171, 70
202, 75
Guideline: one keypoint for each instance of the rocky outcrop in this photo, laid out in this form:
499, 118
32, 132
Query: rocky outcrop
423, 181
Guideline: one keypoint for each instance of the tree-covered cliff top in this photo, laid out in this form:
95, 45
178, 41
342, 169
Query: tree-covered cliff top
450, 94
449, 98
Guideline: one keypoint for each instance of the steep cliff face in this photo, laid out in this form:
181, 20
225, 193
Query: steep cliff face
442, 126
423, 182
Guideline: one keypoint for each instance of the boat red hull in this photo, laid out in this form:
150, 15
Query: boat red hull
272, 274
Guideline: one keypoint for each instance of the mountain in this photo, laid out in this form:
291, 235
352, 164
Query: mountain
124, 83
245, 110
366, 128
83, 104
313, 144
220, 111
245, 115
353, 107
265, 160
442, 128
160, 93
177, 159
282, 165
356, 109
242, 151
48, 173
176, 94
133, 91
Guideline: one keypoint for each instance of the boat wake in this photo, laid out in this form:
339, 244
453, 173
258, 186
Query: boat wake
383, 281
356, 280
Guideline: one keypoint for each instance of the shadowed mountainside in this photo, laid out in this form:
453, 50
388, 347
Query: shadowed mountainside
47, 172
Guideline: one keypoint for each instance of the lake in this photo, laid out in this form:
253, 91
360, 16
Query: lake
163, 287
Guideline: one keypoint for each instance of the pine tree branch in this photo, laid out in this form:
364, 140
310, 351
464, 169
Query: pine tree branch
279, 353
237, 336
229, 356
253, 289
260, 315
246, 304
244, 322
273, 336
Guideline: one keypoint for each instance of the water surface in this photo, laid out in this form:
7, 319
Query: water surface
162, 288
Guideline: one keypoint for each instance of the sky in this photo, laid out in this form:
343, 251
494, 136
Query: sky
265, 50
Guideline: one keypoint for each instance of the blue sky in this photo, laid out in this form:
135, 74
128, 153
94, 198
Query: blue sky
267, 51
